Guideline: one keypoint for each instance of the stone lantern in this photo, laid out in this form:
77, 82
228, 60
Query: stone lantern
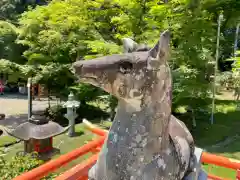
71, 115
37, 133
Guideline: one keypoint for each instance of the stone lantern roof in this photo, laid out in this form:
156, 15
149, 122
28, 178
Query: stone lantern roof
37, 128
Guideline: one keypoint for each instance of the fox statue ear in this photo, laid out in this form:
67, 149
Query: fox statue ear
129, 45
160, 51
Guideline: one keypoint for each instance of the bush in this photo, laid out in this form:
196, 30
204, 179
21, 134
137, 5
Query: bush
56, 113
85, 92
20, 164
90, 112
187, 109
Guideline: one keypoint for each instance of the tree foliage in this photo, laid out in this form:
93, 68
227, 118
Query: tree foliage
235, 78
60, 32
56, 77
11, 9
41, 39
8, 48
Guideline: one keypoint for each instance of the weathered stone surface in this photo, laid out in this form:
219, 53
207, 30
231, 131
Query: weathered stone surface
30, 145
145, 142
27, 131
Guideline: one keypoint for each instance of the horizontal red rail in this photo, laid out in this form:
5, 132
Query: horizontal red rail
213, 177
80, 170
52, 165
83, 178
94, 129
220, 161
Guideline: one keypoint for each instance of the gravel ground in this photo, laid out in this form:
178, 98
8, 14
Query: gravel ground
15, 107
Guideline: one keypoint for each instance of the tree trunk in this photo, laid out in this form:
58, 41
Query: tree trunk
49, 93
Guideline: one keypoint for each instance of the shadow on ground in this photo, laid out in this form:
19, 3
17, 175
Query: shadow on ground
227, 129
13, 96
221, 137
13, 121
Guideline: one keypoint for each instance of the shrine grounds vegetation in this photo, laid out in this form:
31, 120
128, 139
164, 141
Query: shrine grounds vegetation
224, 132
6, 141
41, 39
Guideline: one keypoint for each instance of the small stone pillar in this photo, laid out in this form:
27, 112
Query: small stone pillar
71, 115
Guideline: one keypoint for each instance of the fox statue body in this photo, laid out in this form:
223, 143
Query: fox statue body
145, 142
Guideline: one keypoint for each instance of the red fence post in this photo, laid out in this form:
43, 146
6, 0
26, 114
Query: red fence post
238, 175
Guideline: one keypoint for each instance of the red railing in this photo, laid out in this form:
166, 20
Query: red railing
52, 165
80, 171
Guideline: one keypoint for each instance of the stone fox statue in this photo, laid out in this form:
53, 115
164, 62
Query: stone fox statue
145, 142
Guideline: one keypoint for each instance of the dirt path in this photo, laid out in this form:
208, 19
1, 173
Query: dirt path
15, 107
226, 95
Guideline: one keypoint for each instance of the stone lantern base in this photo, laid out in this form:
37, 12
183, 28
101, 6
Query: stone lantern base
39, 146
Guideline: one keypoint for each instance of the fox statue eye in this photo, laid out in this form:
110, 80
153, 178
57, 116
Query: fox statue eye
125, 67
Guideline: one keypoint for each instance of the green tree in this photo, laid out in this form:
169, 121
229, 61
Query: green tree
55, 33
11, 9
63, 31
8, 48
56, 77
